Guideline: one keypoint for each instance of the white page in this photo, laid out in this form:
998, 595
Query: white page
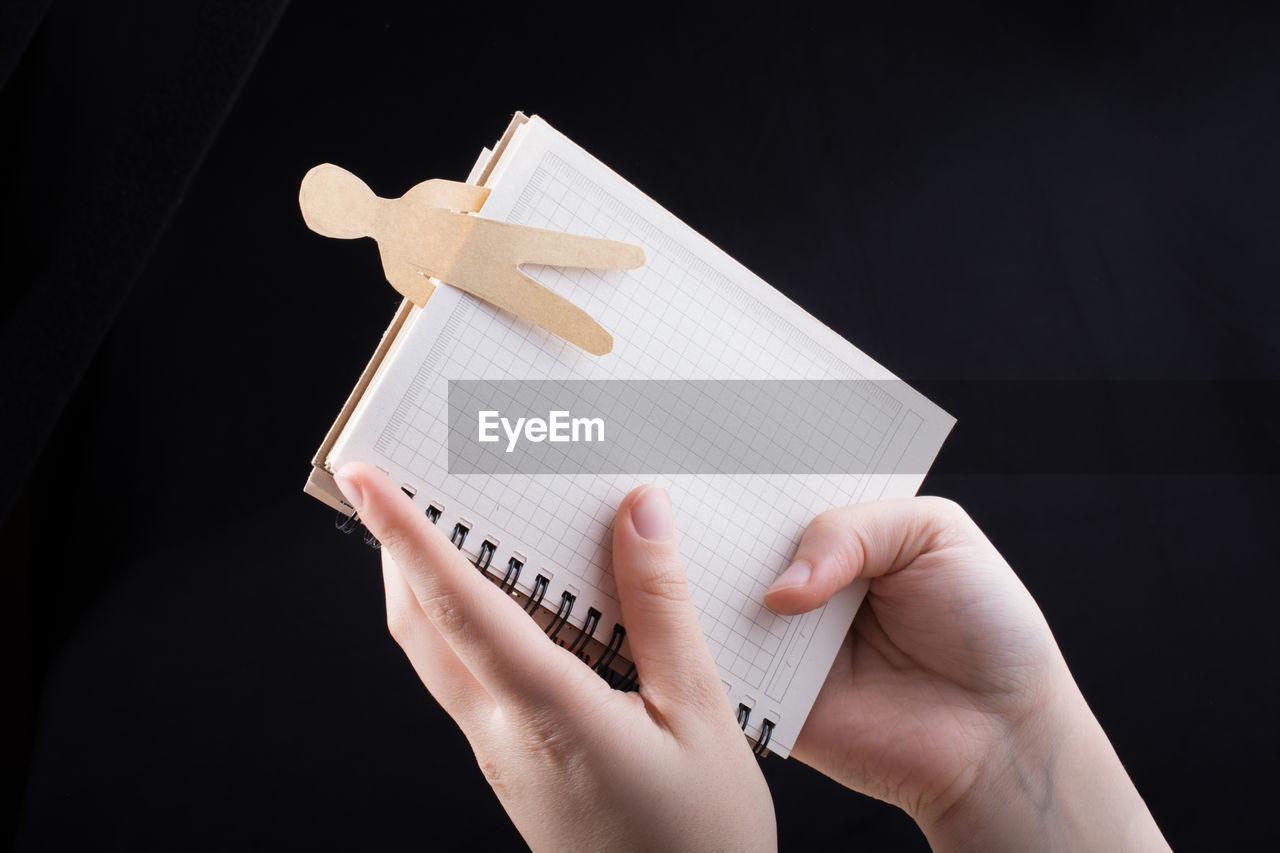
691, 312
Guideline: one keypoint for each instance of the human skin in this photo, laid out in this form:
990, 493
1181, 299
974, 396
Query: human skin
949, 697
576, 764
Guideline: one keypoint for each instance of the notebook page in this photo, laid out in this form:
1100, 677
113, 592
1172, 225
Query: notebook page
690, 313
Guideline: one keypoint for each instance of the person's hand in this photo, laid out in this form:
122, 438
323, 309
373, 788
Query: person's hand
576, 764
949, 697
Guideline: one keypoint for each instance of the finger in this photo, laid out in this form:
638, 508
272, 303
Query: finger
673, 663
448, 680
486, 629
863, 541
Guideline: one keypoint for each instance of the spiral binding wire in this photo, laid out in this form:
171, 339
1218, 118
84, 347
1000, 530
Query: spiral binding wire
625, 681
508, 583
761, 746
628, 681
611, 650
586, 632
766, 734
540, 584
562, 615
485, 557
575, 643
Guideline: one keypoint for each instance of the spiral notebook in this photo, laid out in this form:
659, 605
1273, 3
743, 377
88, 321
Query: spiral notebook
691, 312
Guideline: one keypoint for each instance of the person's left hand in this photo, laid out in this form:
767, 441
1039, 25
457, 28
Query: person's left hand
576, 764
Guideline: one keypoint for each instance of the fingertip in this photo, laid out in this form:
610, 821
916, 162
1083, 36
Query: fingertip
789, 602
354, 470
347, 479
624, 505
795, 590
371, 492
796, 576
651, 514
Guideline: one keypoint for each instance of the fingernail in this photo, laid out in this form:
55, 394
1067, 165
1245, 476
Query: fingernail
350, 489
651, 514
796, 575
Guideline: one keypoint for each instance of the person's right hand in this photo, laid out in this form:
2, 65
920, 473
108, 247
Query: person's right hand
949, 697
576, 764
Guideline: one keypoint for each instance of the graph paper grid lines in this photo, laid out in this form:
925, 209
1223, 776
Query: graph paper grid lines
681, 316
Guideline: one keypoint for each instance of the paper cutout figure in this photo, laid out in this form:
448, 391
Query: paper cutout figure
431, 231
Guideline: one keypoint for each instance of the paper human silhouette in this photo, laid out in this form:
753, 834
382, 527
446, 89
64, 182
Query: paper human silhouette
432, 231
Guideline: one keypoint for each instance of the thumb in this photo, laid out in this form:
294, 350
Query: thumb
864, 541
676, 671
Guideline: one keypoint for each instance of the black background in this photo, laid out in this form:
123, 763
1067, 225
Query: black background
1084, 192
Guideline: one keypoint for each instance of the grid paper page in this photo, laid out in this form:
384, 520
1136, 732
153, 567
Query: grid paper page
690, 313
